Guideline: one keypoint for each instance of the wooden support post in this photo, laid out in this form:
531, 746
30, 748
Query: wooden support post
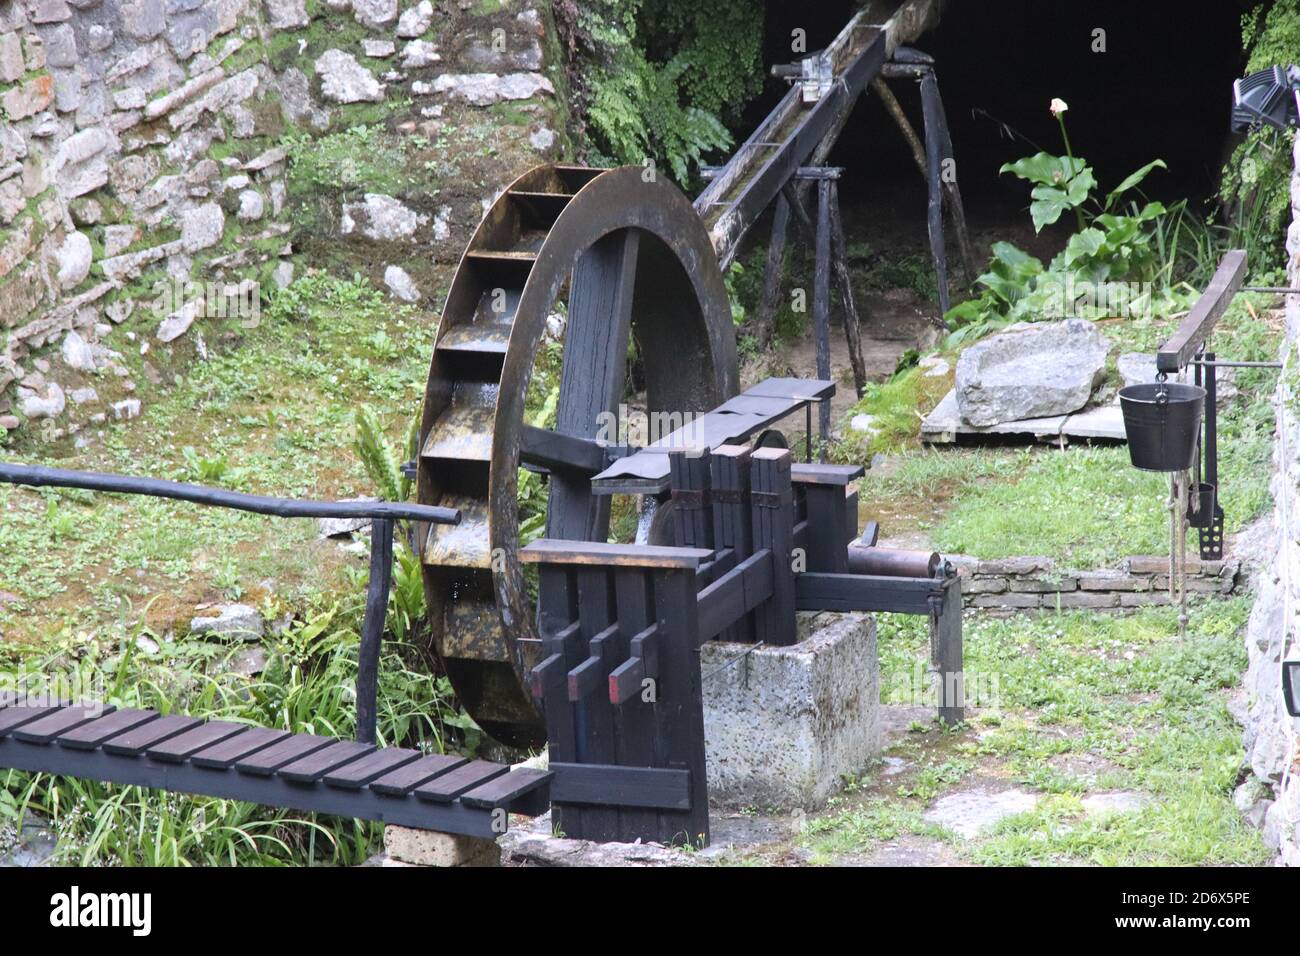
765, 323
597, 745
840, 258
561, 651
729, 468
843, 281
952, 191
689, 474
830, 523
679, 704
634, 721
946, 645
772, 509
372, 629
952, 194
934, 180
821, 304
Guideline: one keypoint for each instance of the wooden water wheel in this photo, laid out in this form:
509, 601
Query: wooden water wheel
631, 258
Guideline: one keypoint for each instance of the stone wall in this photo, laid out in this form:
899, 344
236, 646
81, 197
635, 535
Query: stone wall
145, 144
1021, 583
1270, 796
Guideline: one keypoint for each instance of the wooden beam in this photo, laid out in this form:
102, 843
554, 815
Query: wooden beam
601, 554
1209, 308
609, 785
557, 451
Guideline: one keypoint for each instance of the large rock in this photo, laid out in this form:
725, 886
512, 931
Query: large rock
381, 217
374, 13
1030, 371
344, 80
416, 20
484, 89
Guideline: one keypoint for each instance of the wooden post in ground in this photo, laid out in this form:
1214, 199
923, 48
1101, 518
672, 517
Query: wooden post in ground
821, 304
934, 181
952, 194
765, 322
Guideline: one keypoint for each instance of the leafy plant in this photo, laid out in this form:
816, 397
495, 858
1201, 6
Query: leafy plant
657, 78
1114, 242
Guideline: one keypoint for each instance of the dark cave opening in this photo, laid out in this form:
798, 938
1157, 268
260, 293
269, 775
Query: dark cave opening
1161, 89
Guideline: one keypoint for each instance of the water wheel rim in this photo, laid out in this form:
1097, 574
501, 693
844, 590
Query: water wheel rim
678, 305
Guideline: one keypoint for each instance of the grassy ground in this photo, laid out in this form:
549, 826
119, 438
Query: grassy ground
1074, 704
1084, 506
271, 410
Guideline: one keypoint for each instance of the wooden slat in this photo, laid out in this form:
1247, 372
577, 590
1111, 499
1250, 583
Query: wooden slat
505, 790
315, 765
811, 473
268, 761
403, 780
743, 588
449, 786
14, 717
139, 739
61, 721
186, 745
550, 551
222, 756
612, 785
91, 735
365, 771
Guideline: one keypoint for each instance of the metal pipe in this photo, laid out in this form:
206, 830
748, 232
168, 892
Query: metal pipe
893, 562
1225, 364
38, 476
372, 629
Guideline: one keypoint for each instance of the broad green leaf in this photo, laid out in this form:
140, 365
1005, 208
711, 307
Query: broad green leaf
1133, 179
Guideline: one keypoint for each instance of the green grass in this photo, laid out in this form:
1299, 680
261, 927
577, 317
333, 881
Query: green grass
1148, 708
273, 413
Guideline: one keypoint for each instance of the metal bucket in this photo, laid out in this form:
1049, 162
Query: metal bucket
1162, 421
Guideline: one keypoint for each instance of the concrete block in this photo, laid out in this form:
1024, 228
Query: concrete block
782, 724
428, 848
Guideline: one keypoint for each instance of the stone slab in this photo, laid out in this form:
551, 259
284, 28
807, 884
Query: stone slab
944, 424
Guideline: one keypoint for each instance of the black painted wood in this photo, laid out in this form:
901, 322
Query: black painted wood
186, 745
59, 722
139, 739
739, 591
632, 697
315, 765
772, 510
596, 737
506, 790
266, 762
448, 786
274, 790
947, 643
400, 782
225, 754
862, 592
367, 770
647, 788
679, 711
91, 735
11, 718
931, 113
822, 305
